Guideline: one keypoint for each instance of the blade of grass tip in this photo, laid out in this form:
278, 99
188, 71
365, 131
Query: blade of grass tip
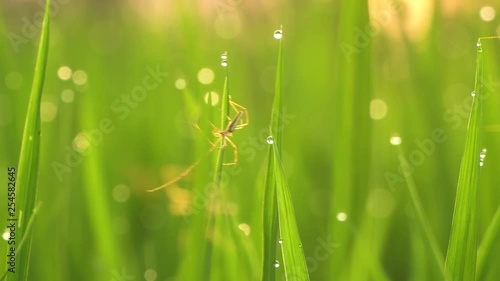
462, 247
485, 252
423, 222
29, 158
270, 211
294, 262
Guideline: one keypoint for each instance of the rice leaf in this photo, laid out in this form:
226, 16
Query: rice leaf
352, 125
270, 212
462, 247
27, 179
294, 262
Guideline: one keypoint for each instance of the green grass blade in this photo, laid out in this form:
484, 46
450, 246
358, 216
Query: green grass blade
485, 254
214, 225
26, 187
352, 129
294, 262
270, 212
462, 247
423, 223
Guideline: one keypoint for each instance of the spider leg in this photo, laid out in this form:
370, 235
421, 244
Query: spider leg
243, 121
203, 133
176, 179
235, 150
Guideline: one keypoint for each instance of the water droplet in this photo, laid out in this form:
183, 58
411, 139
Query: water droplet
278, 34
280, 241
276, 264
224, 56
300, 245
270, 140
473, 93
478, 44
482, 156
223, 63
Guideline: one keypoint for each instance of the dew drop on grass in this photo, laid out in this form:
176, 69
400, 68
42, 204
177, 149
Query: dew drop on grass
223, 63
300, 245
482, 155
278, 34
478, 44
270, 140
276, 264
280, 241
473, 93
223, 56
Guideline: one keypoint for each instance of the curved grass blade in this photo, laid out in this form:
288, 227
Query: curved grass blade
26, 188
270, 212
462, 247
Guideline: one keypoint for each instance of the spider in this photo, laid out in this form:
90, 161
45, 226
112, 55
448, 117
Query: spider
234, 124
238, 122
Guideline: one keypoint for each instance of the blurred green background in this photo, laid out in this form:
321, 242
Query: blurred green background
126, 81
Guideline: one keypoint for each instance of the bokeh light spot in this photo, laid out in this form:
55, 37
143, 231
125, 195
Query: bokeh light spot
121, 193
396, 140
81, 143
214, 96
48, 111
378, 109
150, 275
80, 77
206, 76
64, 73
6, 234
68, 96
180, 84
487, 13
342, 216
